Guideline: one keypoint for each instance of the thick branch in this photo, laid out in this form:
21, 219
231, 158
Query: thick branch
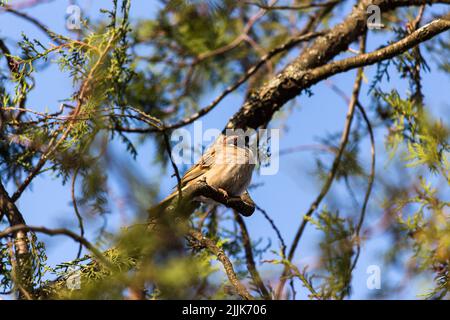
261, 105
425, 33
243, 204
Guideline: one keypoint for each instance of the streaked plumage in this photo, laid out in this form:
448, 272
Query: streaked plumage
225, 165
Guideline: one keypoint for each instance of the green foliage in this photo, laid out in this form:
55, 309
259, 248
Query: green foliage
426, 139
336, 255
419, 210
8, 264
5, 268
427, 226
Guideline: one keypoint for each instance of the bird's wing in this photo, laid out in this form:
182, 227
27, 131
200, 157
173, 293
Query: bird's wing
197, 170
200, 167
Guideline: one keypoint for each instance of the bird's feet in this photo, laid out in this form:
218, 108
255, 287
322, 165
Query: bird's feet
224, 193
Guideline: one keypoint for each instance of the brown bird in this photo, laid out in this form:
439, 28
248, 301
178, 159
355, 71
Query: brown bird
226, 166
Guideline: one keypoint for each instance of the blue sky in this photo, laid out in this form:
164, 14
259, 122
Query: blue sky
285, 196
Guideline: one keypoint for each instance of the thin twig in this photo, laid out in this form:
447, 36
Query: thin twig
250, 72
297, 7
251, 265
54, 144
369, 186
305, 281
174, 166
77, 212
418, 60
52, 232
371, 176
28, 4
227, 265
275, 228
55, 37
241, 37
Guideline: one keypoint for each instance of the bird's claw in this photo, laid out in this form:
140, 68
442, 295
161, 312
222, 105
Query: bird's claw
224, 193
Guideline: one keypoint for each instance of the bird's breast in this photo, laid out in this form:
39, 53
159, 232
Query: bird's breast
232, 171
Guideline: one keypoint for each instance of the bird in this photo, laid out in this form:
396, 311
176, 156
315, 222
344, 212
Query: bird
226, 166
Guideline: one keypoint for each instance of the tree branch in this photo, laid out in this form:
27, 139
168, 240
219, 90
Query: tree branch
243, 204
228, 266
12, 64
249, 73
369, 185
275, 228
297, 7
251, 265
304, 71
77, 212
371, 177
54, 232
21, 245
